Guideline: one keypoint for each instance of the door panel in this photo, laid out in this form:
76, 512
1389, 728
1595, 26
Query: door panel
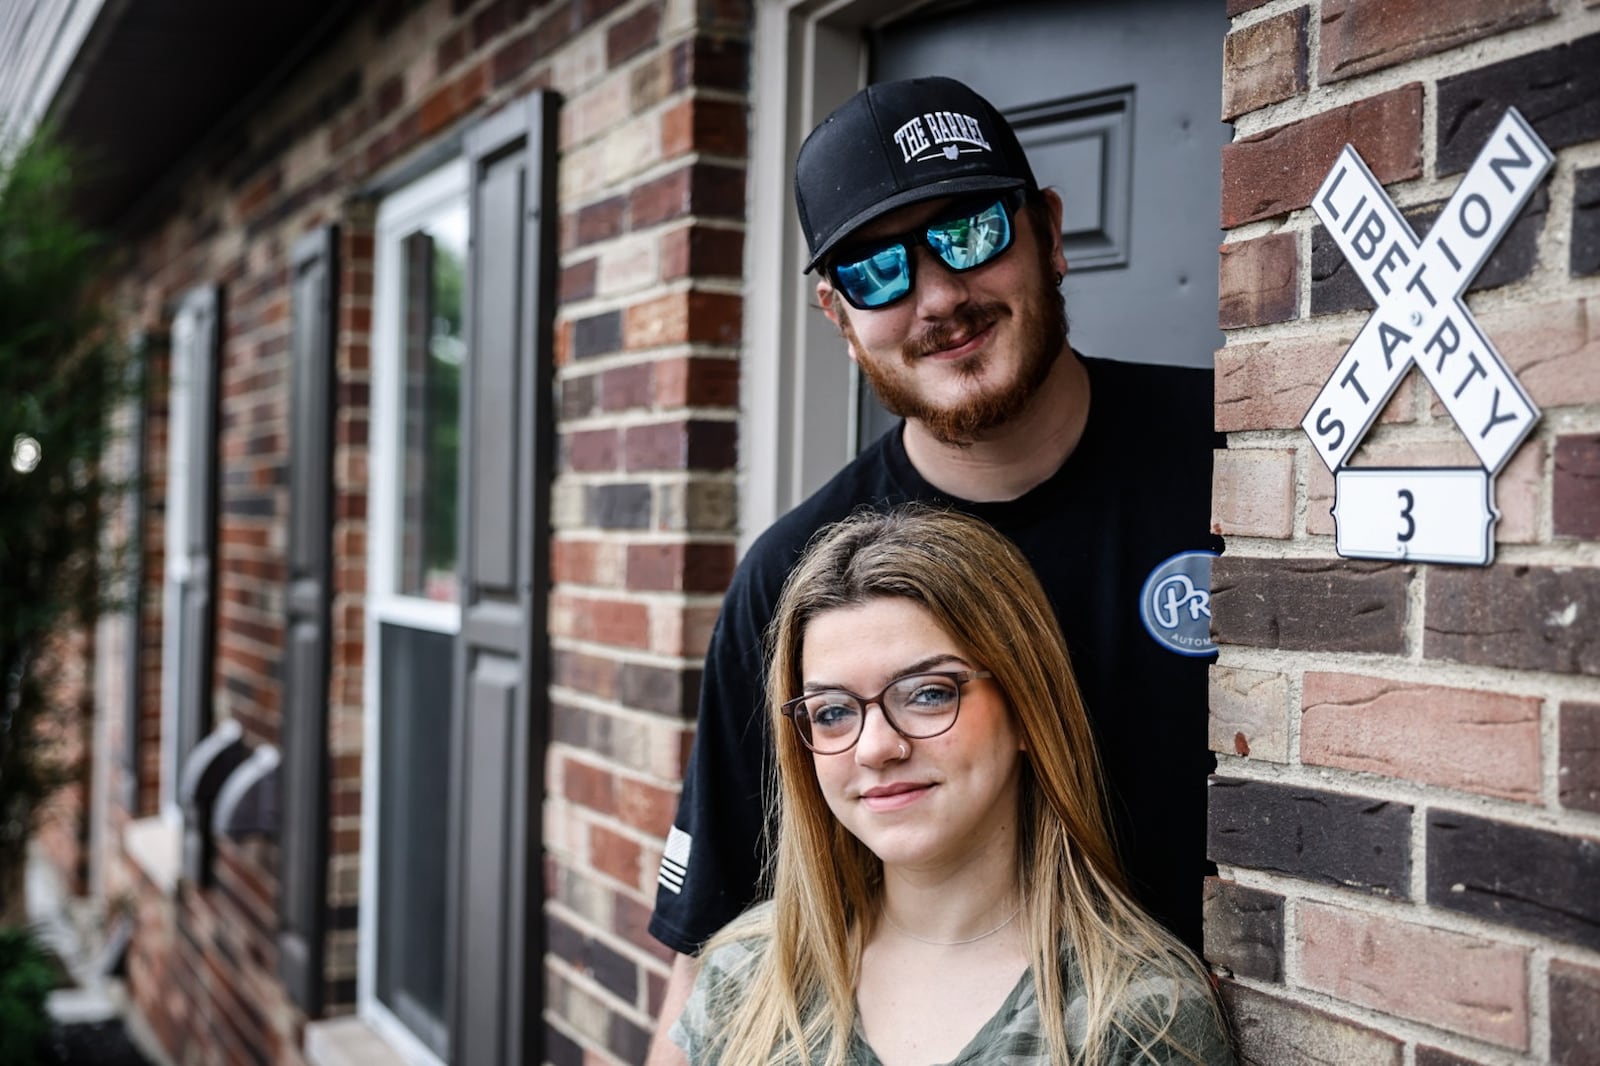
1117, 103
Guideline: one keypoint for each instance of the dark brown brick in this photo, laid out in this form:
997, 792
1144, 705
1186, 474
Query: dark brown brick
1557, 90
601, 220
702, 252
1579, 756
1575, 505
578, 280
620, 506
589, 955
629, 36
1585, 258
1264, 63
1364, 35
1331, 837
1309, 604
1278, 171
680, 567
1574, 1014
1432, 1056
1239, 7
1244, 930
1259, 281
660, 689
513, 57
1334, 286
705, 189
1530, 879
1279, 1032
577, 396
597, 335
1524, 617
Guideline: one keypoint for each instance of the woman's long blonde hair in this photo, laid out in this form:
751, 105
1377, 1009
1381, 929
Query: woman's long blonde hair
826, 885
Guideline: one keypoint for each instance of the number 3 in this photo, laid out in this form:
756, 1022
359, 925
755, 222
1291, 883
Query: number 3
1409, 502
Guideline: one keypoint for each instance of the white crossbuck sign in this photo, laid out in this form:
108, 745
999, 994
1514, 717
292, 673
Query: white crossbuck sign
1432, 515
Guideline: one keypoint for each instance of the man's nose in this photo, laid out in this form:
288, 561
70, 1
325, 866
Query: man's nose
939, 290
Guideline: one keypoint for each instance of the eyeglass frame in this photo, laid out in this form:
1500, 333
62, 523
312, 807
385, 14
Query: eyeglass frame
1010, 202
959, 677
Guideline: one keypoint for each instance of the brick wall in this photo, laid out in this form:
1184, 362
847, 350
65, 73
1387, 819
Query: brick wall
652, 143
1406, 814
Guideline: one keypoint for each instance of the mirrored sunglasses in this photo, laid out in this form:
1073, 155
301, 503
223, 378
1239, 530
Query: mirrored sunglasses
877, 274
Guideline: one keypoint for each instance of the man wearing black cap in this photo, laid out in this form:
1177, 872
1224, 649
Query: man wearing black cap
940, 260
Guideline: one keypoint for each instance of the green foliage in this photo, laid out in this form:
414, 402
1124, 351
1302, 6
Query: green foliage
60, 377
27, 975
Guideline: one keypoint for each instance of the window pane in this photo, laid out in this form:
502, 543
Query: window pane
432, 350
413, 827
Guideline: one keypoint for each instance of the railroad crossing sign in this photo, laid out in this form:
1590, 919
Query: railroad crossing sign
1427, 514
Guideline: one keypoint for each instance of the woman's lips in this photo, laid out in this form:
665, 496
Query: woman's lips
882, 798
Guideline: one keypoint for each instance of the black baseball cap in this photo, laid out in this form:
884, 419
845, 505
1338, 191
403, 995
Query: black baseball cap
897, 143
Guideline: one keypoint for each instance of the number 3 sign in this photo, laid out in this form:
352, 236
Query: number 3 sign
1430, 515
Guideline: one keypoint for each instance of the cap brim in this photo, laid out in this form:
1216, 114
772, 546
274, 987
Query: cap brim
948, 187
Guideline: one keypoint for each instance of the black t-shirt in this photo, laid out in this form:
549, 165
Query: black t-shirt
1135, 491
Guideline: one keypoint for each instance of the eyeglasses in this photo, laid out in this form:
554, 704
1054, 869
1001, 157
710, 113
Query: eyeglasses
877, 274
917, 706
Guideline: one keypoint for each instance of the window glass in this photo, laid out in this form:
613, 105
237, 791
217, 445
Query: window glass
433, 259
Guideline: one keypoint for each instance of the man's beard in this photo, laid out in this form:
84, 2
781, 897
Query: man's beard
1041, 338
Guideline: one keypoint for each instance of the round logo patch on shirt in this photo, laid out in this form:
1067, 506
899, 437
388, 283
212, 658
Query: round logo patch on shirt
1175, 603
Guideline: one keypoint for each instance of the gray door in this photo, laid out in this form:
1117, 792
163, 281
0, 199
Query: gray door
501, 716
1117, 104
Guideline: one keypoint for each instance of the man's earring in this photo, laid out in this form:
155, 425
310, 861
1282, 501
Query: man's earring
1059, 276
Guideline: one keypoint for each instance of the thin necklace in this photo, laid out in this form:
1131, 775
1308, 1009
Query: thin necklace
951, 943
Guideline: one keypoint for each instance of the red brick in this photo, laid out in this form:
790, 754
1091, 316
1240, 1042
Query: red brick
620, 622
1271, 384
714, 127
614, 854
573, 561
578, 280
679, 567
1239, 7
1575, 489
1574, 1014
628, 387
646, 806
1364, 35
1264, 63
1477, 741
690, 445
1553, 348
1249, 713
1459, 983
1579, 756
1275, 172
1259, 281
593, 674
1252, 493
601, 220
588, 786
452, 100
593, 450
702, 252
697, 382
683, 317
629, 36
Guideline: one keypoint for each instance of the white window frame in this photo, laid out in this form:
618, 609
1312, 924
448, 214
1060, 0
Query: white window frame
398, 215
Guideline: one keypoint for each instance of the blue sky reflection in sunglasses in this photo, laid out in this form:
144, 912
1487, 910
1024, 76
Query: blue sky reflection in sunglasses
881, 273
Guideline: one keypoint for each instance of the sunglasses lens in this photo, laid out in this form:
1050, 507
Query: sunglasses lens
878, 279
971, 241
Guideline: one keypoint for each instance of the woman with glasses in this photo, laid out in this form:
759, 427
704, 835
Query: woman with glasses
944, 884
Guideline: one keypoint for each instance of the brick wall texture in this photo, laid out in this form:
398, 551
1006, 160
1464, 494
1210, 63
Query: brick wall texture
1404, 815
652, 148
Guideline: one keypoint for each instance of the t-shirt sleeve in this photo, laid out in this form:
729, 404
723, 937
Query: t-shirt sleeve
1196, 1034
711, 865
723, 974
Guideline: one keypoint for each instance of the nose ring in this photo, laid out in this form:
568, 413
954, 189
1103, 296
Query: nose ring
903, 751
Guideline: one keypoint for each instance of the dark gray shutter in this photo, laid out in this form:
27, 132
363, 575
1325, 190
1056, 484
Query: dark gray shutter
133, 617
196, 355
501, 707
302, 877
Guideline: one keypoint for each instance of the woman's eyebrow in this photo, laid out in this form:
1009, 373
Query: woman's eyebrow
920, 666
